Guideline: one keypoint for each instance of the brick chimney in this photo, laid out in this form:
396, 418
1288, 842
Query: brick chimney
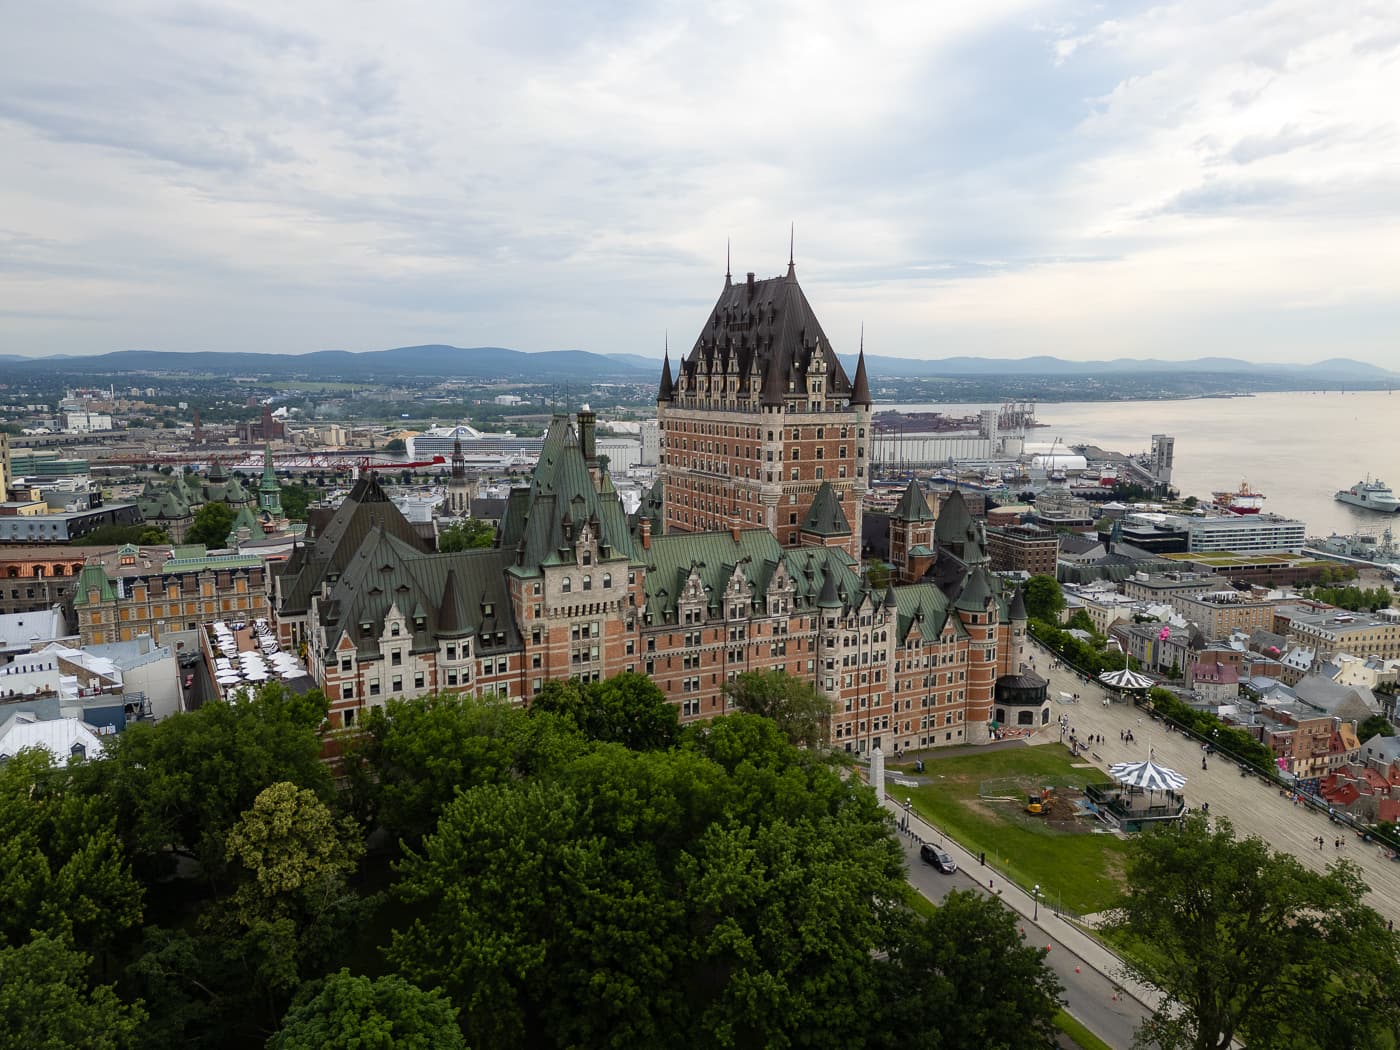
646, 534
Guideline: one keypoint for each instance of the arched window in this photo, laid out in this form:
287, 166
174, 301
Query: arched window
568, 584
588, 583
607, 580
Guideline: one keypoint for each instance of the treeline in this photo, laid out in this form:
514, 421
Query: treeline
1229, 740
585, 873
1352, 598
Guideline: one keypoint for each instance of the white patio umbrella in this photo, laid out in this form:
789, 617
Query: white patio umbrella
1147, 775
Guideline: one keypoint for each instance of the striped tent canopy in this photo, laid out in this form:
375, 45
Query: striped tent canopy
1147, 775
1125, 679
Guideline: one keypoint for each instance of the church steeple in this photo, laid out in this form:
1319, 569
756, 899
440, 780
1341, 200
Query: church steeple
269, 489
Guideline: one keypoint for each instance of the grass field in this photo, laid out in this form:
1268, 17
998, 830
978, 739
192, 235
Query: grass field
1083, 1038
1082, 871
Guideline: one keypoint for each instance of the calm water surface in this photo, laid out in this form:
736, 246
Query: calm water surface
1296, 448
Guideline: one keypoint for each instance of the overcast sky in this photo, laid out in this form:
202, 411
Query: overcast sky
999, 178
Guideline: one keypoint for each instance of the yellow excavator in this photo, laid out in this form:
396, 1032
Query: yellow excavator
1040, 804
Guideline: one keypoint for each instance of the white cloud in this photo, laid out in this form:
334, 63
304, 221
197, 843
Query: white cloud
1000, 178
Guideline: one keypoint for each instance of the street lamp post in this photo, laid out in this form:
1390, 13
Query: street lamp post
908, 804
1035, 914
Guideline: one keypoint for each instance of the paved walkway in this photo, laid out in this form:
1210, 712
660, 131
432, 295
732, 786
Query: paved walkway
1253, 806
1097, 991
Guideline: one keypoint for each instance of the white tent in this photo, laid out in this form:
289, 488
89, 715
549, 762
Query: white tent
1147, 775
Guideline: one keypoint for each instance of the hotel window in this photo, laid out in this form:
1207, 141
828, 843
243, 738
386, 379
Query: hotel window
568, 584
347, 691
396, 684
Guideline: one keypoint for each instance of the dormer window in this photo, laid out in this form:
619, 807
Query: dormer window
588, 557
419, 623
488, 609
393, 630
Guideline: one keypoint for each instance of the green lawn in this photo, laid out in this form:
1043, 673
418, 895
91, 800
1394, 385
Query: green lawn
1085, 1039
1082, 871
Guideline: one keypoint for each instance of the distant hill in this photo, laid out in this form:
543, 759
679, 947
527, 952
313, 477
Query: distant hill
891, 367
479, 362
495, 362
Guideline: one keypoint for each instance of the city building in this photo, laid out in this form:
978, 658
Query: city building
576, 589
759, 416
163, 591
66, 526
1338, 631
1221, 613
1244, 533
1023, 548
34, 578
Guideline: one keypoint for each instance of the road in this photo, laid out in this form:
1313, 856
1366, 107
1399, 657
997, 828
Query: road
1253, 807
1090, 994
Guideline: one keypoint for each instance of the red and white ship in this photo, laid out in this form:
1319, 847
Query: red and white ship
1244, 501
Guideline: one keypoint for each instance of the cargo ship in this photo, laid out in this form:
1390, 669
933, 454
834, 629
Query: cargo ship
1243, 501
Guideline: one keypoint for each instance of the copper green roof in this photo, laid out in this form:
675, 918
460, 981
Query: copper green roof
977, 591
825, 517
90, 577
923, 604
366, 507
211, 561
442, 595
542, 524
913, 505
712, 557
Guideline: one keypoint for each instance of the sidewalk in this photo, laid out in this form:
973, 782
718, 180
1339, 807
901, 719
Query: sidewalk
1091, 950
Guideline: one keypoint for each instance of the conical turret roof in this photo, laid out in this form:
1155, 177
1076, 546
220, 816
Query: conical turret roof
913, 505
825, 517
860, 388
667, 391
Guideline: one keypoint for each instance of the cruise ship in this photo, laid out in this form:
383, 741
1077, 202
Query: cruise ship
1370, 495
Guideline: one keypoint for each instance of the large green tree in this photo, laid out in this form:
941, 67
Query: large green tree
1044, 599
212, 524
1249, 944
964, 979
627, 709
62, 867
361, 1013
179, 785
1376, 725
466, 535
799, 708
414, 756
733, 892
46, 1002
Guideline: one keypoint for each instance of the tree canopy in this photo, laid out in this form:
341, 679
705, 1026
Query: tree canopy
360, 1013
799, 708
1044, 599
627, 709
212, 524
1252, 945
466, 535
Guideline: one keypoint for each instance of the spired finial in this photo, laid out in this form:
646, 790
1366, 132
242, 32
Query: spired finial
792, 240
862, 337
726, 258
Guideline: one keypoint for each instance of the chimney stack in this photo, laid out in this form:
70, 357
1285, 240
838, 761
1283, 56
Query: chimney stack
750, 284
587, 422
646, 534
734, 528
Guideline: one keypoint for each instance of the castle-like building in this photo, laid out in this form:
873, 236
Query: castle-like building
743, 558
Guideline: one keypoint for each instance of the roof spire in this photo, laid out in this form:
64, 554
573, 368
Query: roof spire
727, 274
792, 240
860, 388
666, 392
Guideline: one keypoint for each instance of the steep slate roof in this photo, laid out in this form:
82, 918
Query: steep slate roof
825, 517
977, 591
366, 508
860, 390
913, 505
766, 334
667, 390
926, 605
386, 573
542, 523
89, 577
1017, 611
712, 556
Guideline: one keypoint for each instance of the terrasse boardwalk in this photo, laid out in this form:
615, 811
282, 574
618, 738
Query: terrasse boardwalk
1253, 806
